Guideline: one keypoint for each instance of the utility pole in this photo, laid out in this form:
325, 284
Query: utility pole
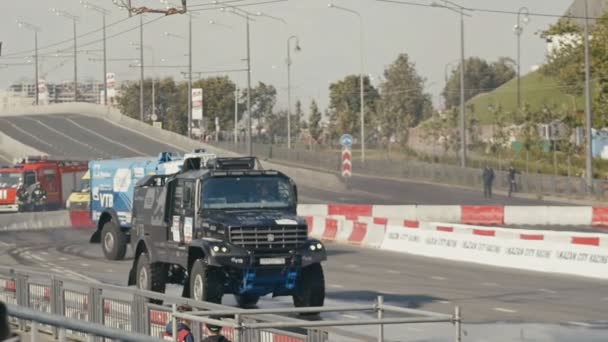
190, 76
103, 13
141, 68
589, 152
249, 144
289, 86
236, 114
35, 29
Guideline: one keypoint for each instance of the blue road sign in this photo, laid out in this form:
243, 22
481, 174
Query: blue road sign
346, 140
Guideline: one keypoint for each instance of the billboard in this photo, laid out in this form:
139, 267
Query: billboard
197, 104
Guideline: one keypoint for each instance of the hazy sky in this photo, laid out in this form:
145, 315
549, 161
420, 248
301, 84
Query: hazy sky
329, 39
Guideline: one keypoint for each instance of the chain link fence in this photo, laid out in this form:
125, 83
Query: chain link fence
539, 184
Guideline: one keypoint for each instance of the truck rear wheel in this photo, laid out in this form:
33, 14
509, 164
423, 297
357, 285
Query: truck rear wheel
246, 301
206, 282
113, 241
310, 287
151, 277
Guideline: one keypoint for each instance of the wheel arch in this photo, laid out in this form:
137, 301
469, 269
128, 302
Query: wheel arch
107, 215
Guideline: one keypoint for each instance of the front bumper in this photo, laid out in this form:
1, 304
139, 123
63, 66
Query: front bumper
9, 208
239, 258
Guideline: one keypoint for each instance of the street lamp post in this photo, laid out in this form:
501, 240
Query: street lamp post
247, 16
522, 19
35, 29
74, 21
589, 116
297, 48
103, 13
462, 122
361, 76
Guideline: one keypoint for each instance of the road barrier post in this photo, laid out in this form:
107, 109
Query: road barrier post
238, 330
174, 322
380, 305
457, 323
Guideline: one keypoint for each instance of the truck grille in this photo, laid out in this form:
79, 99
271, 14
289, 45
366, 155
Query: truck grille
269, 239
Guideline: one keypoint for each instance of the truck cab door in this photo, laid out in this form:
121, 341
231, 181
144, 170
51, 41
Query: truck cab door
181, 218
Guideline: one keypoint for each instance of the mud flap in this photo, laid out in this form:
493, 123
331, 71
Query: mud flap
186, 289
96, 237
132, 272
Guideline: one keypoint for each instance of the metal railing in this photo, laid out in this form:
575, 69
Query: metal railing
39, 301
540, 184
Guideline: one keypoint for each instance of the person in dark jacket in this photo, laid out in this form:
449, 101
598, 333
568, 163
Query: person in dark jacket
511, 178
184, 334
39, 197
488, 180
215, 334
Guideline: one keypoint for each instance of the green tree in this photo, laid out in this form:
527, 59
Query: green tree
403, 102
297, 119
315, 121
263, 100
345, 104
479, 77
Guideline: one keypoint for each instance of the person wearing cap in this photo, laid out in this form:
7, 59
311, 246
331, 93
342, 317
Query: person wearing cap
215, 334
184, 334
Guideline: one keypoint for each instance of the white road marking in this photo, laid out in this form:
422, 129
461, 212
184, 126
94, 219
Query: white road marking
84, 264
580, 324
393, 272
489, 284
38, 258
109, 270
437, 278
63, 259
605, 299
505, 310
2, 243
547, 291
350, 316
44, 253
444, 302
414, 329
336, 286
352, 266
105, 138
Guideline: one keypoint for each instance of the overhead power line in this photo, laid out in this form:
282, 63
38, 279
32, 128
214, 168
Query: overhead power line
488, 10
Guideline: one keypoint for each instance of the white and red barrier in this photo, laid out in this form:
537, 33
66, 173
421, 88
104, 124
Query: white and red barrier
465, 214
45, 220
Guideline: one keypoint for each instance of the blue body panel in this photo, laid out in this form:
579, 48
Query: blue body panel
112, 183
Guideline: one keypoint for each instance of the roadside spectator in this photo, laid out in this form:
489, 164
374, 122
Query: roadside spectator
215, 334
184, 334
511, 178
5, 331
488, 180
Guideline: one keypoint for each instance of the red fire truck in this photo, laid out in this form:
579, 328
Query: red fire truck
57, 177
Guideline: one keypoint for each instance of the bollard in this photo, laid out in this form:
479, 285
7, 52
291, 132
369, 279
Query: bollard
380, 316
458, 324
34, 332
174, 322
238, 332
61, 337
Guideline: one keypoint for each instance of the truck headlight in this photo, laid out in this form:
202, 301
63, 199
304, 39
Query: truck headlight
312, 247
319, 246
216, 248
224, 249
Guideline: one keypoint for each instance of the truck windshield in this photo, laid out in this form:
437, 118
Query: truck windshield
10, 179
247, 192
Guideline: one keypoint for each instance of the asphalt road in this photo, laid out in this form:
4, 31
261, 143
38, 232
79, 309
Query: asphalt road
79, 136
354, 275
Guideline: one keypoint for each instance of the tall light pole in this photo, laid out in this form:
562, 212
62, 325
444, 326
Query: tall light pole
141, 68
247, 16
141, 48
589, 152
297, 48
35, 29
74, 21
463, 134
103, 13
522, 19
361, 76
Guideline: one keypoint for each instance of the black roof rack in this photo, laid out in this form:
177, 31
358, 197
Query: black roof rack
238, 163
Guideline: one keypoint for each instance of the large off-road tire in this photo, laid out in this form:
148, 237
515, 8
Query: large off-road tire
310, 287
113, 241
206, 282
246, 301
151, 277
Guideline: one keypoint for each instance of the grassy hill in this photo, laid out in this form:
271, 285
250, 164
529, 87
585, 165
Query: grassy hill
536, 90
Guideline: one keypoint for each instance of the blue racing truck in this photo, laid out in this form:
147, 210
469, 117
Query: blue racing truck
112, 183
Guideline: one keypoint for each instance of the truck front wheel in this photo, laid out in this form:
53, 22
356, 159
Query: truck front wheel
113, 241
206, 282
310, 287
151, 277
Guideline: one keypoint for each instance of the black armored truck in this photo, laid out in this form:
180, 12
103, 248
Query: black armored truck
228, 227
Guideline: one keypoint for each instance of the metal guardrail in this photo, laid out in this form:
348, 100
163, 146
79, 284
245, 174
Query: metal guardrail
541, 184
91, 306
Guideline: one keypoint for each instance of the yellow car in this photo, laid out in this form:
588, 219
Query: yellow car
80, 198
